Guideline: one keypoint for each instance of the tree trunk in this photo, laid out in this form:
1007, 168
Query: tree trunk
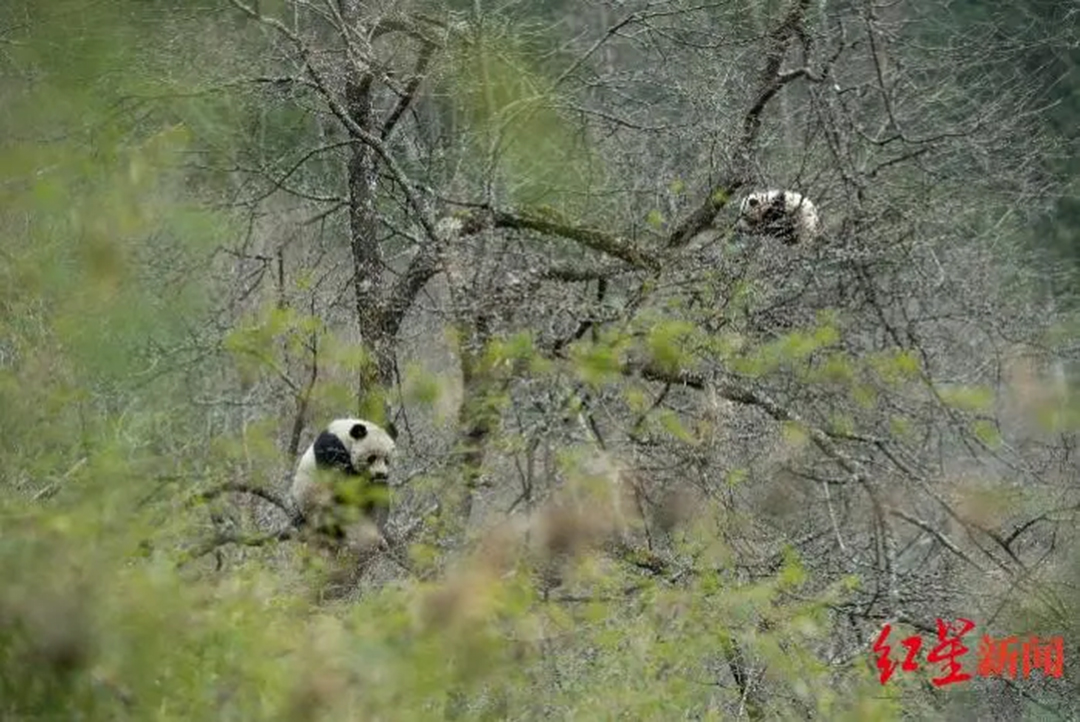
363, 224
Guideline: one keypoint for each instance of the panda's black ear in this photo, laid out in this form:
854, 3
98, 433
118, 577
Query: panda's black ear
358, 431
391, 430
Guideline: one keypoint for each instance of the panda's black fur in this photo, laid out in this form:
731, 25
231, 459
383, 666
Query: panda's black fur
786, 215
330, 451
776, 219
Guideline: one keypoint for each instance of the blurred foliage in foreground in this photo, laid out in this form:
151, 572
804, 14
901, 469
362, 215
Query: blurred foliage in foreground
98, 235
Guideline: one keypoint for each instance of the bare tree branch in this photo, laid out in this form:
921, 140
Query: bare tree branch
772, 81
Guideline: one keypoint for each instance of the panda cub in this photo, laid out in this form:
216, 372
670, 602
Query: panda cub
341, 483
788, 215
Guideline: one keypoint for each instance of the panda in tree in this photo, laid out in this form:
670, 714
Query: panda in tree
341, 486
787, 215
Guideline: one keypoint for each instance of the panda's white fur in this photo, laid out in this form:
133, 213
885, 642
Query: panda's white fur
788, 215
346, 447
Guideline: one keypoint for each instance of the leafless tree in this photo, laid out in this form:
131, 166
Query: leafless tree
574, 209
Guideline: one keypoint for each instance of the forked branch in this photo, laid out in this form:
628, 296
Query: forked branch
772, 81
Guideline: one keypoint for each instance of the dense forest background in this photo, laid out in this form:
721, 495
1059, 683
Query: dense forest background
649, 467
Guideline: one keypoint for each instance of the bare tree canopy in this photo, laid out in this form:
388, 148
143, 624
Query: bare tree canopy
721, 337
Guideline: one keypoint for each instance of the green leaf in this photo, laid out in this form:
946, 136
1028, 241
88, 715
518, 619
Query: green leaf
736, 477
794, 434
987, 432
842, 424
968, 398
667, 342
596, 364
792, 573
865, 396
671, 423
838, 368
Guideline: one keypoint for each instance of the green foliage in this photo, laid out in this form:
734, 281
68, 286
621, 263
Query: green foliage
1056, 418
600, 362
421, 387
900, 426
98, 246
967, 398
515, 352
865, 395
895, 367
257, 343
792, 574
272, 343
671, 343
987, 432
96, 637
508, 109
673, 425
790, 350
794, 434
842, 424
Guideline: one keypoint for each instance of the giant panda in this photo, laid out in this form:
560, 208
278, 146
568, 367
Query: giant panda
788, 215
340, 489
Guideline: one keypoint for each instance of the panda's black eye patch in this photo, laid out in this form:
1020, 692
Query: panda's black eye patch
753, 202
372, 459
